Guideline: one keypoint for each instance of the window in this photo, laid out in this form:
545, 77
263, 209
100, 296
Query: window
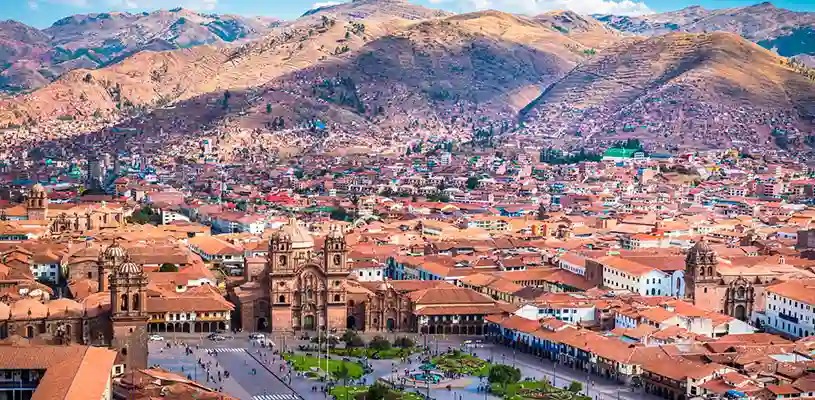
361, 273
281, 299
336, 298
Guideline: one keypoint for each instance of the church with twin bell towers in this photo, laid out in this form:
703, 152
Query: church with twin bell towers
307, 290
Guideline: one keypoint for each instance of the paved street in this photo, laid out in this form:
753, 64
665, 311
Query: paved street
274, 382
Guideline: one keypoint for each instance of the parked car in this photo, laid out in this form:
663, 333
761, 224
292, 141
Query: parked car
257, 336
155, 338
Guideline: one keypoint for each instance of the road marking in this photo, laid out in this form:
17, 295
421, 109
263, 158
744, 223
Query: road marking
226, 350
278, 396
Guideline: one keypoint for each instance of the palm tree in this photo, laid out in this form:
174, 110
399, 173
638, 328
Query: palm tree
342, 374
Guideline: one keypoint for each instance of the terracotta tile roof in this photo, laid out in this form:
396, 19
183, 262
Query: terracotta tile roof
71, 372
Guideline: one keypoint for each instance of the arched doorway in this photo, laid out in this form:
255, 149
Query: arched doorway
186, 327
390, 324
740, 313
350, 322
171, 328
308, 322
261, 324
222, 326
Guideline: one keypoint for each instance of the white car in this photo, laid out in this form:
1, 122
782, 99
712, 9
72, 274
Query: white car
257, 336
156, 338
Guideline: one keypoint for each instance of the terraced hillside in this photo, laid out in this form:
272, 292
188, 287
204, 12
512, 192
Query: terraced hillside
685, 88
435, 76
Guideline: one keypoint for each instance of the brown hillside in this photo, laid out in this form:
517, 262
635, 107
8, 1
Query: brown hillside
696, 88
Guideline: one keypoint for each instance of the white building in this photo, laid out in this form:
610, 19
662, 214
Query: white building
369, 271
789, 308
622, 274
574, 311
573, 263
169, 216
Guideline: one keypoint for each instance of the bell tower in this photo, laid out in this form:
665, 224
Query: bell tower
128, 314
37, 203
700, 270
280, 265
335, 252
335, 262
110, 260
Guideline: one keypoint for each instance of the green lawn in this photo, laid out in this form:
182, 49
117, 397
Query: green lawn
462, 363
347, 392
359, 352
534, 390
340, 393
306, 363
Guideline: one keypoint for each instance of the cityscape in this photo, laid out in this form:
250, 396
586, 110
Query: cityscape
383, 200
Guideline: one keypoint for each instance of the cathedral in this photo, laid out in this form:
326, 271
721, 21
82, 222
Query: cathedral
733, 289
299, 289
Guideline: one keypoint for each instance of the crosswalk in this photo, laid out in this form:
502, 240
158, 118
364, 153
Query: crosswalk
226, 350
278, 396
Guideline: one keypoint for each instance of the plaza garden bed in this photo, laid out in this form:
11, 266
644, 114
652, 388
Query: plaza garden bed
461, 363
534, 390
375, 354
307, 363
365, 392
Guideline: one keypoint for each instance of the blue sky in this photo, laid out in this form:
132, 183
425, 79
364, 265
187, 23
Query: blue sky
41, 13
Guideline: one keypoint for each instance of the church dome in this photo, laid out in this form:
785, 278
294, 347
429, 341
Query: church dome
298, 234
28, 309
701, 253
37, 189
115, 251
130, 268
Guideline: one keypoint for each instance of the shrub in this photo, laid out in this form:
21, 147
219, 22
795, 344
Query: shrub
504, 374
404, 342
575, 387
379, 343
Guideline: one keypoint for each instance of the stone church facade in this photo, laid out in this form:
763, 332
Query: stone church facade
299, 289
734, 290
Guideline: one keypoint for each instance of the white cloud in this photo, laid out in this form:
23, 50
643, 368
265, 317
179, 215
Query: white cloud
33, 5
325, 4
533, 7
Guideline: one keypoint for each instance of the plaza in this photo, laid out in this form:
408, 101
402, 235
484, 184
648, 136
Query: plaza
256, 373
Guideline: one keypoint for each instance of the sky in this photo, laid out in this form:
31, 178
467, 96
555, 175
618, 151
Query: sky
42, 13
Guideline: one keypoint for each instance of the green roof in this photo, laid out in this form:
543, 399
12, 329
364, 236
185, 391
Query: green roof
619, 153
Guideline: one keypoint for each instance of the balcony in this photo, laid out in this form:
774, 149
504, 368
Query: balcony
788, 318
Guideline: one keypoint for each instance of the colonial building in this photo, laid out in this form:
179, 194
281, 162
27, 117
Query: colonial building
734, 288
116, 318
64, 218
300, 289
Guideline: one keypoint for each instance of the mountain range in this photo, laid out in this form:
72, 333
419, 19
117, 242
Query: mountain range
30, 58
786, 32
376, 72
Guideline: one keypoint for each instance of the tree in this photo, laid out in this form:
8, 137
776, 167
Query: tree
342, 374
339, 214
575, 387
352, 339
268, 108
504, 375
379, 343
168, 267
377, 391
403, 342
472, 182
